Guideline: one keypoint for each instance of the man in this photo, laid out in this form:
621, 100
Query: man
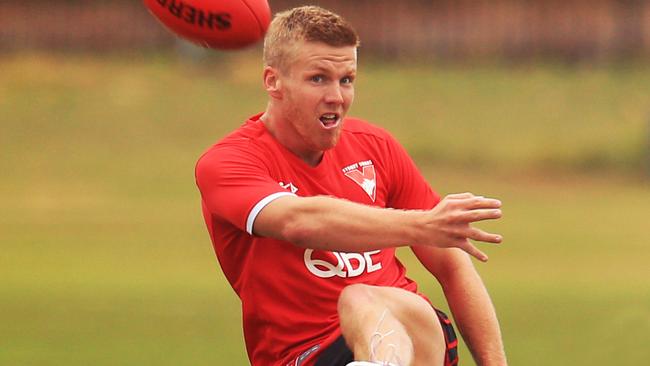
305, 208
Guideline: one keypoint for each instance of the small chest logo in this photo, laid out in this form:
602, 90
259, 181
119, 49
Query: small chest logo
363, 173
289, 186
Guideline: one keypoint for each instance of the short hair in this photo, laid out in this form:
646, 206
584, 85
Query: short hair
305, 23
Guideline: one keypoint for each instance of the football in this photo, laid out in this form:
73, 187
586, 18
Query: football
221, 24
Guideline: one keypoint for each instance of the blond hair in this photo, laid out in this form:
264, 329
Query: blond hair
308, 24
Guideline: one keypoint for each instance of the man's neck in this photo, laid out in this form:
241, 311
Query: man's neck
284, 133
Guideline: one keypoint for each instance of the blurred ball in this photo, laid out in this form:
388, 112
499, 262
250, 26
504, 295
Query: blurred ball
222, 24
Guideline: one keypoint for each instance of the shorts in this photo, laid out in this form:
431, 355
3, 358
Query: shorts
338, 353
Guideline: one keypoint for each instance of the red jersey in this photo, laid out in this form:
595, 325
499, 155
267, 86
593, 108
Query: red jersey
289, 294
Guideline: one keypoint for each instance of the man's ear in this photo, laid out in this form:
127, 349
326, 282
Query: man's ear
272, 82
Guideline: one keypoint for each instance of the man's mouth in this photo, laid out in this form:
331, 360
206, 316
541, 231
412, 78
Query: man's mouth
330, 120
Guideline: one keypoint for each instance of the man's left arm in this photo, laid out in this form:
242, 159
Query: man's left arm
469, 302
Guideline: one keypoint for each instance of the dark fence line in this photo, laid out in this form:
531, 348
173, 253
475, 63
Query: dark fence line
598, 30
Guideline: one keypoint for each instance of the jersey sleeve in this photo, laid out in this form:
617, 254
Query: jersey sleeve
235, 184
408, 189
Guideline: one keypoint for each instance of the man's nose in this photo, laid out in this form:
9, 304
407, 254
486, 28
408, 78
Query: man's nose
334, 94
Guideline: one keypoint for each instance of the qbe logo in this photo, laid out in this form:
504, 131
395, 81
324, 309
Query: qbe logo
347, 264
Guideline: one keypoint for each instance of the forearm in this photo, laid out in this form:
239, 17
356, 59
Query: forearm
327, 223
475, 316
334, 224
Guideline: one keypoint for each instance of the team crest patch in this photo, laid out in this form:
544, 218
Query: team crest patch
363, 173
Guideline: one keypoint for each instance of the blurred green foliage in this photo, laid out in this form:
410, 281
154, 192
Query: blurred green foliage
105, 259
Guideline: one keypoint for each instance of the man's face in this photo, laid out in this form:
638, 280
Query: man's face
316, 92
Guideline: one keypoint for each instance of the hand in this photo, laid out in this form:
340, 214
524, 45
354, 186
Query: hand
448, 224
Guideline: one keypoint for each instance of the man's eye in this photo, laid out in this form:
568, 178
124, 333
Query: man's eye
317, 78
347, 80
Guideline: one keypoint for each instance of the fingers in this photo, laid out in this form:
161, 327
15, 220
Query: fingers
470, 249
456, 196
471, 202
458, 211
480, 235
470, 208
482, 202
481, 214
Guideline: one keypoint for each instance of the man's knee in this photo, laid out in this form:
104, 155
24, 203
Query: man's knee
405, 305
414, 312
354, 296
365, 304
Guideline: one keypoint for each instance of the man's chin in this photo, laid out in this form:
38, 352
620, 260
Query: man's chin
334, 140
328, 145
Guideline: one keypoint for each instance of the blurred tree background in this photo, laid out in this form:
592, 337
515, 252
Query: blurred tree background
460, 30
104, 258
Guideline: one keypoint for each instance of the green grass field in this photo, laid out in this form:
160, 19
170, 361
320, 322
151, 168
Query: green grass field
105, 259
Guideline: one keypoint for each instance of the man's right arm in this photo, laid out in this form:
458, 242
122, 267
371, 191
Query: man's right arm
333, 224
